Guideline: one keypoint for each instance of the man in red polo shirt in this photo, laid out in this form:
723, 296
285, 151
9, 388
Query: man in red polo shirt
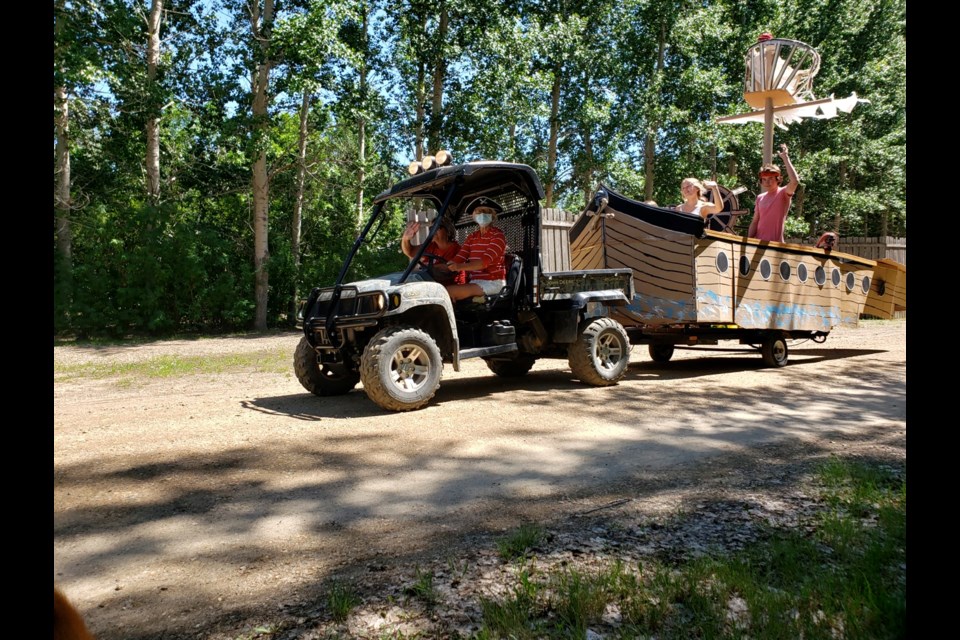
481, 255
772, 206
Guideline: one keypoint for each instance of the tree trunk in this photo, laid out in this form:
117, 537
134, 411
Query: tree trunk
61, 192
439, 72
554, 135
362, 124
261, 188
421, 102
297, 222
649, 141
588, 171
153, 115
61, 195
843, 185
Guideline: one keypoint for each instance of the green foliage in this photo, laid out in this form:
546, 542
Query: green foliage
641, 83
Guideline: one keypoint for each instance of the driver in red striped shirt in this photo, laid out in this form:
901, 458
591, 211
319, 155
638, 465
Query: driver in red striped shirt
481, 255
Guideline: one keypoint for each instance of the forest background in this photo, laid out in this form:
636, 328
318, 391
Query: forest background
215, 159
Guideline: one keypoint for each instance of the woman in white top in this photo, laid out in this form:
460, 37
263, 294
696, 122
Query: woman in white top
694, 197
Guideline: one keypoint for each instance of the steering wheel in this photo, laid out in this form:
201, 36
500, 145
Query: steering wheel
436, 266
432, 259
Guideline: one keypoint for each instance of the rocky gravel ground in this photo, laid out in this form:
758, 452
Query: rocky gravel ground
713, 512
225, 505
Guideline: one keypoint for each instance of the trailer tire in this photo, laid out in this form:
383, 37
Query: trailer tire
774, 351
401, 368
322, 379
601, 354
513, 368
660, 352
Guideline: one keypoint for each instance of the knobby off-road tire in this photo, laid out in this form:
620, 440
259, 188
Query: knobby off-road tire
514, 368
601, 354
661, 352
322, 379
774, 351
401, 368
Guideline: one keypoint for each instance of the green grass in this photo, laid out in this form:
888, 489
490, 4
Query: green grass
520, 542
341, 599
847, 579
271, 361
422, 587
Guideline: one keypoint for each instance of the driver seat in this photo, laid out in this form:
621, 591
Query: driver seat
514, 267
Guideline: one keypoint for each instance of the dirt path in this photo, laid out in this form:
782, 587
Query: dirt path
188, 506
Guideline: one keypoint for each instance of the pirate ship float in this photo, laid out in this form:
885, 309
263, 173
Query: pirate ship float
697, 285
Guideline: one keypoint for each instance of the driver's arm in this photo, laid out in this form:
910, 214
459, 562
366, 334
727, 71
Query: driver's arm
408, 234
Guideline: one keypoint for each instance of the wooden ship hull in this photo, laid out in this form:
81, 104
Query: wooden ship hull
686, 275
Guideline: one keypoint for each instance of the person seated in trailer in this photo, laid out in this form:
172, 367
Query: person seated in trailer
772, 206
828, 241
443, 245
694, 195
481, 255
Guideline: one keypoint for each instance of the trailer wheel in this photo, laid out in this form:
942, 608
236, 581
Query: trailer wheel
513, 368
400, 368
601, 354
322, 379
774, 351
661, 352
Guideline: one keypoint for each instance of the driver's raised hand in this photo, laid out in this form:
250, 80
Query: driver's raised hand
411, 230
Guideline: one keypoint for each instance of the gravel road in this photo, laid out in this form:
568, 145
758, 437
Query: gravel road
187, 506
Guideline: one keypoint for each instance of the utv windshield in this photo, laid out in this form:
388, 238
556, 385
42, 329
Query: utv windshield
379, 253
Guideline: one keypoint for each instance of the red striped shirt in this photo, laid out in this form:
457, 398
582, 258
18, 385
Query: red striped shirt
490, 248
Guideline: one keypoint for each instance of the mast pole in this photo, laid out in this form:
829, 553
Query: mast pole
768, 131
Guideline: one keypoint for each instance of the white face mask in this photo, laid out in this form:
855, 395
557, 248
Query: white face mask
483, 219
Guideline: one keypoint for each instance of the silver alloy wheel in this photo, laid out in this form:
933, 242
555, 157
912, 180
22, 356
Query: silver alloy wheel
410, 367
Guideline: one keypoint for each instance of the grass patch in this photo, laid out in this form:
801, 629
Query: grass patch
520, 542
341, 600
271, 361
422, 588
847, 579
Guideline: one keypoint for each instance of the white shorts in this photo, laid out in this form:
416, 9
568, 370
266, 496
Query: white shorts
490, 287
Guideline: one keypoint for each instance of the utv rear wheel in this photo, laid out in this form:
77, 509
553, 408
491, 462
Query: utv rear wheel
513, 368
601, 354
661, 352
401, 368
322, 379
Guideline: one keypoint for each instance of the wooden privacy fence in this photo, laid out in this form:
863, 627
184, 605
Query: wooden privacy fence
555, 239
872, 248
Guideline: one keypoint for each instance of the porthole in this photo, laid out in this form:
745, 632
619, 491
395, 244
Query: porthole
835, 277
765, 269
865, 284
785, 270
820, 275
851, 281
722, 262
802, 272
744, 265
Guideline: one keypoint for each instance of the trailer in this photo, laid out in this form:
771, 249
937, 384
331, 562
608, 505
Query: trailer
694, 286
